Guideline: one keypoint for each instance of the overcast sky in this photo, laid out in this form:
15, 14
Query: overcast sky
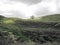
27, 8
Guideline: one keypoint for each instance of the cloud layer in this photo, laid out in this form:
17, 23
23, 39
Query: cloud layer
27, 8
30, 2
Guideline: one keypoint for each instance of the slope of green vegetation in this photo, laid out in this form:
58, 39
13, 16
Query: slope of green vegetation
51, 18
15, 30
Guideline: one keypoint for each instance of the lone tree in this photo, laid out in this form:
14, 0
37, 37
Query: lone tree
32, 17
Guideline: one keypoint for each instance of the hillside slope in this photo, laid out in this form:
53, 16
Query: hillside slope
21, 30
51, 18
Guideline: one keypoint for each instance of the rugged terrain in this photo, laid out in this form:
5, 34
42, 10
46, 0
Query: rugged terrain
34, 31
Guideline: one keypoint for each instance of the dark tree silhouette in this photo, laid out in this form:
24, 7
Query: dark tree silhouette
32, 17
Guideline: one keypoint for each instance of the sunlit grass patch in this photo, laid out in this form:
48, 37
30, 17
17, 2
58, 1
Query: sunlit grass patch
8, 21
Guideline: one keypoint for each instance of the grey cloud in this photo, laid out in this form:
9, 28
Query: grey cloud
28, 1
12, 13
39, 7
16, 14
42, 12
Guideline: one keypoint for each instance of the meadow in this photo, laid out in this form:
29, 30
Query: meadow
33, 31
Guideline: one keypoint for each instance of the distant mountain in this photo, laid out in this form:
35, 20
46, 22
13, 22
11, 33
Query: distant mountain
51, 18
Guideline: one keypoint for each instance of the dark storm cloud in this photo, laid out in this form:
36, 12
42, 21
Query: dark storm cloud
28, 1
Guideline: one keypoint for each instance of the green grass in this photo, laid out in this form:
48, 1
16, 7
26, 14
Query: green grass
23, 29
51, 18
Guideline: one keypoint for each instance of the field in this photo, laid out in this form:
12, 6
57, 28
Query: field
37, 31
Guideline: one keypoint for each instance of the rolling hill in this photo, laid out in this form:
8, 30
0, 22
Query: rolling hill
51, 18
42, 30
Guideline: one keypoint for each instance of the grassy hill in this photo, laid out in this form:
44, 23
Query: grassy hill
51, 18
42, 30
